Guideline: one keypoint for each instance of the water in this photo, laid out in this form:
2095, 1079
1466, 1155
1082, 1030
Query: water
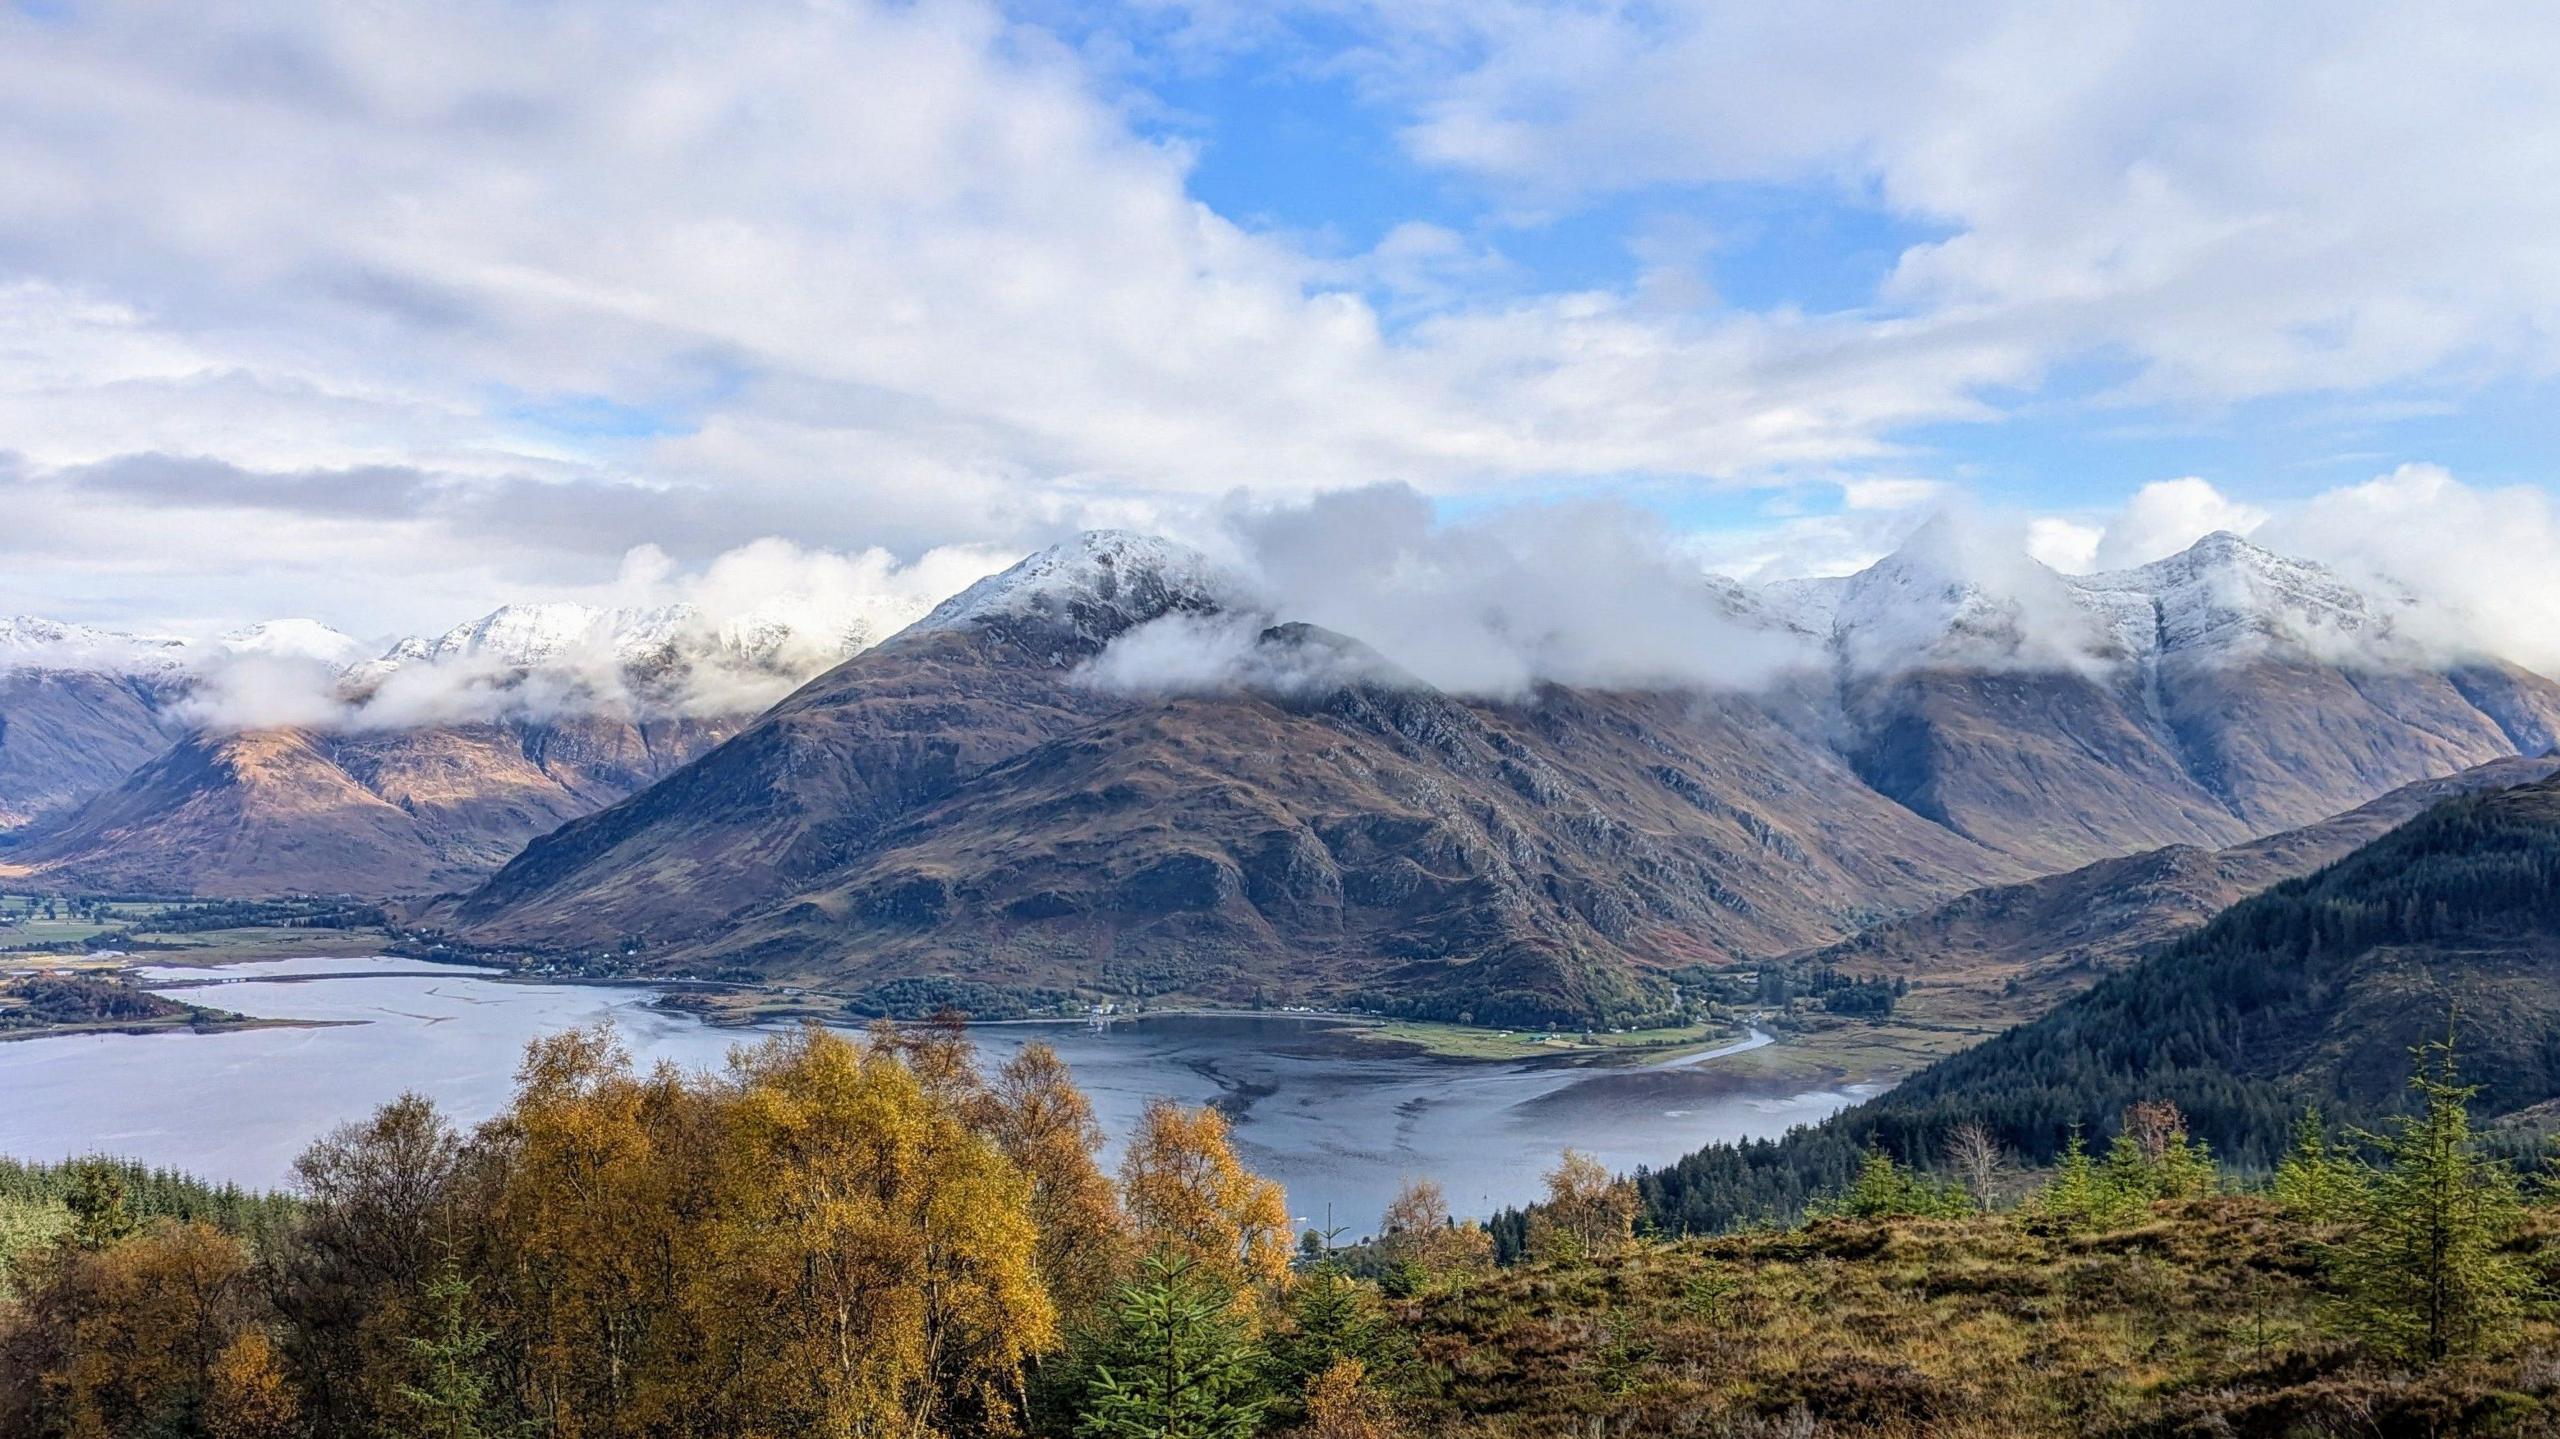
1336, 1118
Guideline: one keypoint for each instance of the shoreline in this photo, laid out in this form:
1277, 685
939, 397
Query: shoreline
765, 1007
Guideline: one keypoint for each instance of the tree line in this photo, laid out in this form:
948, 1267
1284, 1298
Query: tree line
2227, 1023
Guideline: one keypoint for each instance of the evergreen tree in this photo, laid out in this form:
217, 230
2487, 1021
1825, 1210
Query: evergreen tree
1332, 1316
2152, 1158
1886, 1190
101, 1205
452, 1398
1177, 1363
2079, 1195
2423, 1276
2317, 1182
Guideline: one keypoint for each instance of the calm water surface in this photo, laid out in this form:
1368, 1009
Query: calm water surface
1337, 1119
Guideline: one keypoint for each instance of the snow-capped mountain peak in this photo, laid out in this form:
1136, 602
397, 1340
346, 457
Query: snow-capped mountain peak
1093, 587
524, 634
297, 639
33, 642
1950, 596
2224, 598
1954, 596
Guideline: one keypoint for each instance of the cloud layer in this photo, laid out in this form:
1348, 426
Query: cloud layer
483, 296
724, 640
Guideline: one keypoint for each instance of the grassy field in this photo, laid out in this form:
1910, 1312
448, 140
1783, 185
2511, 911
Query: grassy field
281, 929
217, 946
1459, 1041
27, 925
1856, 1051
2209, 1320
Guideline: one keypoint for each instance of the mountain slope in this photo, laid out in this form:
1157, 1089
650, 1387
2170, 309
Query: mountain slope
2312, 992
370, 813
2317, 989
66, 735
2220, 694
2013, 951
1512, 864
784, 802
976, 804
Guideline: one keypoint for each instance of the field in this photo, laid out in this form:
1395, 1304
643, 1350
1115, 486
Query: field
24, 919
2210, 1319
52, 931
1458, 1041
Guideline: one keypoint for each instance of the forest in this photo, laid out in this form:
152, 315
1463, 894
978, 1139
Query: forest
2310, 993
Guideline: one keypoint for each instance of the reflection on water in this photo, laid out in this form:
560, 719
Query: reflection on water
1336, 1118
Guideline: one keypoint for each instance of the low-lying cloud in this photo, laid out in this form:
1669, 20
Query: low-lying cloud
1602, 595
728, 639
1588, 594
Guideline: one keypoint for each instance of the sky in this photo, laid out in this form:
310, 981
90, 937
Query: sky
387, 313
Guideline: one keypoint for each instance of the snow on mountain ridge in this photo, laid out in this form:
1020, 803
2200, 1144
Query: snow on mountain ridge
297, 639
2226, 598
32, 642
1097, 585
1948, 597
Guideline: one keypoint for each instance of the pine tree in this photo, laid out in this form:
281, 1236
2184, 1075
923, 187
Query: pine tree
2423, 1276
452, 1398
1177, 1363
101, 1205
1886, 1190
2078, 1194
2317, 1182
1331, 1316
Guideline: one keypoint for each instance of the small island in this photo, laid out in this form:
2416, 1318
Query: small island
54, 1002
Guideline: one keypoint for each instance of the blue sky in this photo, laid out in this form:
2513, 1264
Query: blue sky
490, 297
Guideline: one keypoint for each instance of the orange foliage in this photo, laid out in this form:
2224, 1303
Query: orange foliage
1188, 1195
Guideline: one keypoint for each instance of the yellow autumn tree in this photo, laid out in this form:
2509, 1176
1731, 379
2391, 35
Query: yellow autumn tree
585, 1216
889, 1246
1343, 1404
247, 1395
1045, 1125
1188, 1195
820, 1241
1421, 1244
108, 1342
1587, 1214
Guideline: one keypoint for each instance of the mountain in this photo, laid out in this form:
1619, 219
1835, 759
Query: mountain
985, 807
791, 795
66, 735
79, 708
2012, 951
140, 765
964, 810
372, 813
296, 639
2312, 992
2220, 694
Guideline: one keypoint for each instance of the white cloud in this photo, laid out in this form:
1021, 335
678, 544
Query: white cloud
745, 630
471, 299
2166, 516
1579, 594
2063, 544
691, 273
2237, 199
1884, 493
2485, 562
